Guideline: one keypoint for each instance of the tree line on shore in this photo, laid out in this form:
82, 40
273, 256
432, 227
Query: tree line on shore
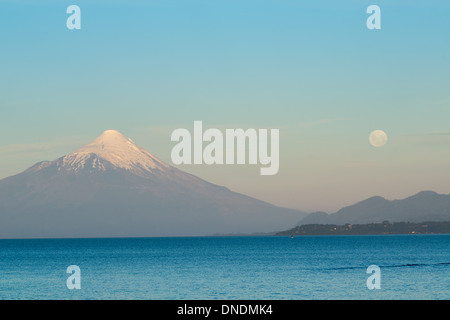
385, 227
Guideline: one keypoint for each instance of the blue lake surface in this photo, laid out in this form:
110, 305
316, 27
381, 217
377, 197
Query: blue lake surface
304, 267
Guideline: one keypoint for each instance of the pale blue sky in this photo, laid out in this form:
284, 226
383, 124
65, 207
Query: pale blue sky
310, 68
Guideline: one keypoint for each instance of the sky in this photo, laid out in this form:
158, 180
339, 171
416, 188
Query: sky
310, 68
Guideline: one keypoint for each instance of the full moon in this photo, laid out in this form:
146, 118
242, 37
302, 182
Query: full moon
378, 138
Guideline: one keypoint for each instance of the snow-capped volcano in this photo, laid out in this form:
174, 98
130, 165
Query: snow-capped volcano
112, 147
111, 187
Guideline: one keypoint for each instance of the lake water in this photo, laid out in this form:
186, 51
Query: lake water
304, 267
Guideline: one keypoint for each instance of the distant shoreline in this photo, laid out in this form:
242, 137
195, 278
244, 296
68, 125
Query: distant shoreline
386, 227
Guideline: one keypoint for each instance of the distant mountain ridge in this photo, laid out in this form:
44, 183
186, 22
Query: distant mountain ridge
423, 206
113, 188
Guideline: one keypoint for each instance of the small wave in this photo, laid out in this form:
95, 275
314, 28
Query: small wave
345, 268
406, 265
415, 265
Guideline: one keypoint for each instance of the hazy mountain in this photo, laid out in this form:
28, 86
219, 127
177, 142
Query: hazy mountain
424, 206
111, 187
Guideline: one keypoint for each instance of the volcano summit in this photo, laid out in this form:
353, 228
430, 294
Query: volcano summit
113, 188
